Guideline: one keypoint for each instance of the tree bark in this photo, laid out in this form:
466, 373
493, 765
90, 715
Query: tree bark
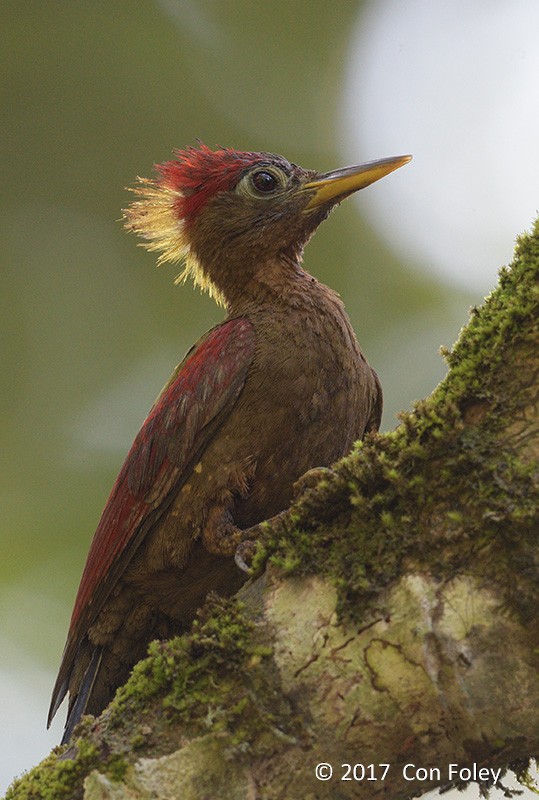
390, 629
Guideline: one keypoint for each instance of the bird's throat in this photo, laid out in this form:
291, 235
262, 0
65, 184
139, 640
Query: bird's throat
277, 283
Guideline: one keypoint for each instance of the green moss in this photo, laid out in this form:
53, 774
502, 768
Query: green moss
54, 778
209, 679
523, 772
220, 639
446, 468
60, 777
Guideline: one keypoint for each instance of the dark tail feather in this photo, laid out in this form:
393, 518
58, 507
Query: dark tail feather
81, 701
60, 691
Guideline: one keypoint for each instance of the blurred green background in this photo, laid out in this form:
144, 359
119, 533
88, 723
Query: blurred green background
92, 95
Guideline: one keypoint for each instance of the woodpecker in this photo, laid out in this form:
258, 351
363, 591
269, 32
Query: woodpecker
276, 389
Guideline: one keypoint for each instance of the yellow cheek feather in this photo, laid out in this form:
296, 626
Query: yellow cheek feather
154, 217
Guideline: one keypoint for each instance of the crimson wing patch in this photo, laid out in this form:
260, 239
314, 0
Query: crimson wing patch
205, 385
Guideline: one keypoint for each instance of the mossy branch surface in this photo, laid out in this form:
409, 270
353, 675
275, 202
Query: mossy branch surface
376, 627
455, 485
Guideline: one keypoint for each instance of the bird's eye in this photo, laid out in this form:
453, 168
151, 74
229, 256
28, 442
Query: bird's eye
264, 181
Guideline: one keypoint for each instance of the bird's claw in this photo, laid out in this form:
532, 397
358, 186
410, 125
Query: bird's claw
310, 479
244, 555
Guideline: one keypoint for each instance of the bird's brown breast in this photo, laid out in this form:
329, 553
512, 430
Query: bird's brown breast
308, 396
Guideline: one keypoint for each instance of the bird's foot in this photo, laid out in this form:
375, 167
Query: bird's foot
246, 549
220, 536
250, 539
310, 479
244, 555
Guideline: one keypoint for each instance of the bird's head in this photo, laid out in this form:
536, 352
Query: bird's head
227, 214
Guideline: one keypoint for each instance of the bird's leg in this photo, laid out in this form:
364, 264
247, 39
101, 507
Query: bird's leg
244, 554
220, 536
246, 547
223, 538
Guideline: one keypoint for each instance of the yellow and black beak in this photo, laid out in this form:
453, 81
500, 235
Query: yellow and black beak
331, 187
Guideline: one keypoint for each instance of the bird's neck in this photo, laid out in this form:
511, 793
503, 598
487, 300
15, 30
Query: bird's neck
278, 283
287, 303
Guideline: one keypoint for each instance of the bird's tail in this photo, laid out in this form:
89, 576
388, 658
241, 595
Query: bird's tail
78, 707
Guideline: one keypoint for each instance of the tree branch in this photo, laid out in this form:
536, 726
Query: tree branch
393, 619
